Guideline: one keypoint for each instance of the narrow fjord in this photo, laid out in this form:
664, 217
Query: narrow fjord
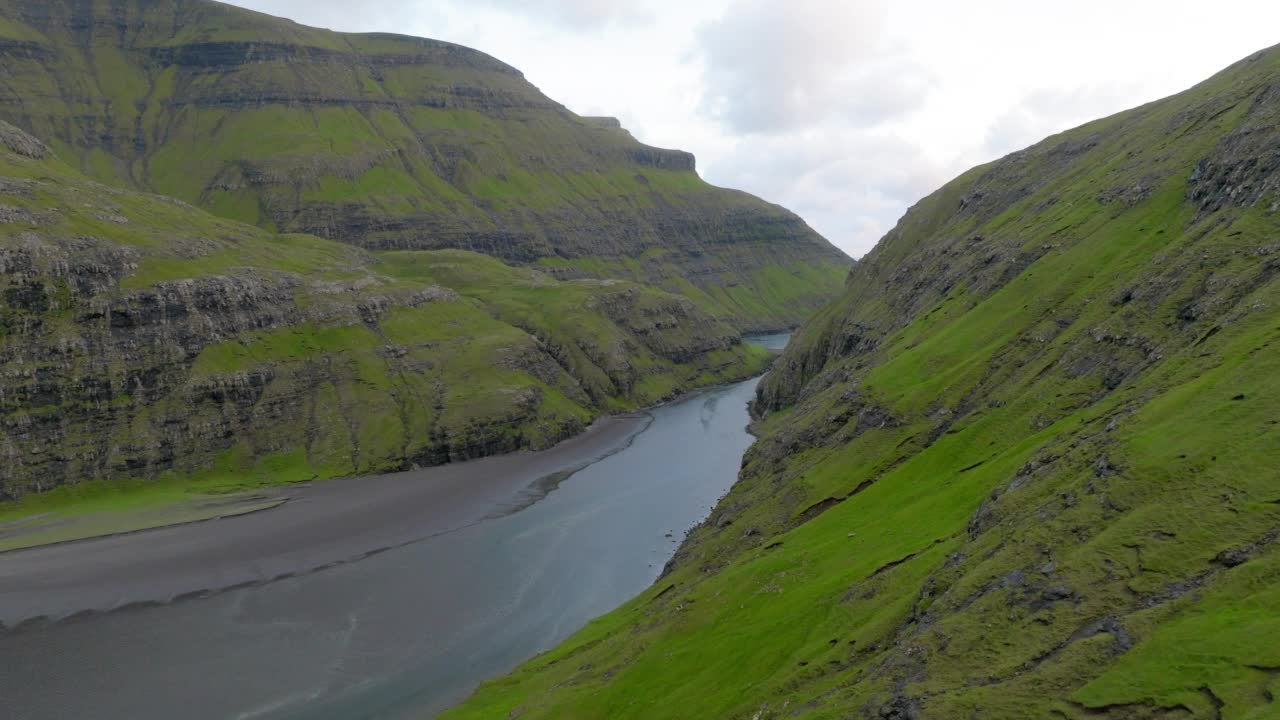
351, 376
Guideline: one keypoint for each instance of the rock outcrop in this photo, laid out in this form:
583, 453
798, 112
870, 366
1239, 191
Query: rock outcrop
142, 338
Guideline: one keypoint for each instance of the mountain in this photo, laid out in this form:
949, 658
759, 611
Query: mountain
142, 338
391, 142
1027, 466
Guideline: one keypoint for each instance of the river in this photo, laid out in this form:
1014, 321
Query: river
410, 631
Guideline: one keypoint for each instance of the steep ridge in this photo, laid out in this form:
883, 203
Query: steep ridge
142, 338
1027, 466
391, 142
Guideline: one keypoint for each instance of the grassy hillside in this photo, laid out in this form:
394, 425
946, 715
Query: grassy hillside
1027, 466
390, 142
144, 339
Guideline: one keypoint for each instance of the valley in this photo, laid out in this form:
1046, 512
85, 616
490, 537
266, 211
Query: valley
1026, 466
369, 597
349, 375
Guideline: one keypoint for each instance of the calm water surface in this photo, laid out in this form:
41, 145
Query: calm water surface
773, 341
408, 632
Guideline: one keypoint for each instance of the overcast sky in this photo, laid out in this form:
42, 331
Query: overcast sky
849, 111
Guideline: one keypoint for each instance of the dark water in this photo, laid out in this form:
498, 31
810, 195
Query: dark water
408, 632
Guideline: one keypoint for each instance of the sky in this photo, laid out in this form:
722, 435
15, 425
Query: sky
846, 112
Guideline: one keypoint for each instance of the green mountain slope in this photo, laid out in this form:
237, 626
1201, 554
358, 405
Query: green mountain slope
391, 142
1027, 466
142, 338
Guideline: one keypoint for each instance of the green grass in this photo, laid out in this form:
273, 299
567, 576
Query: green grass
101, 507
280, 253
740, 291
116, 496
377, 182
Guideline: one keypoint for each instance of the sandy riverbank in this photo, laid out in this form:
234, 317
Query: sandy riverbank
317, 526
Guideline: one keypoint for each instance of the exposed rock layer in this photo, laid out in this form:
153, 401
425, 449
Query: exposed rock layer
141, 338
390, 142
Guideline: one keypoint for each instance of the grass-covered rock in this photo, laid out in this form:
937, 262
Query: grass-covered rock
142, 339
1028, 466
391, 142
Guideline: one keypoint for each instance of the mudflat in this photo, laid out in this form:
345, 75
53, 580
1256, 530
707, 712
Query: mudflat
315, 526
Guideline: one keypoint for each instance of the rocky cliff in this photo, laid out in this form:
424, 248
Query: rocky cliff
141, 338
1027, 466
390, 142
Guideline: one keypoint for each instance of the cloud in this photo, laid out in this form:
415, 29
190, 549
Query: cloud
809, 90
338, 15
1043, 112
851, 185
774, 67
576, 14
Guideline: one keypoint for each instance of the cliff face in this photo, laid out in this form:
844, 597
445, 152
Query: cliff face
390, 142
142, 338
1026, 466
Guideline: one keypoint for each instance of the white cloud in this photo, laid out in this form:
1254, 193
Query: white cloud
772, 67
825, 176
1043, 111
577, 14
338, 15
